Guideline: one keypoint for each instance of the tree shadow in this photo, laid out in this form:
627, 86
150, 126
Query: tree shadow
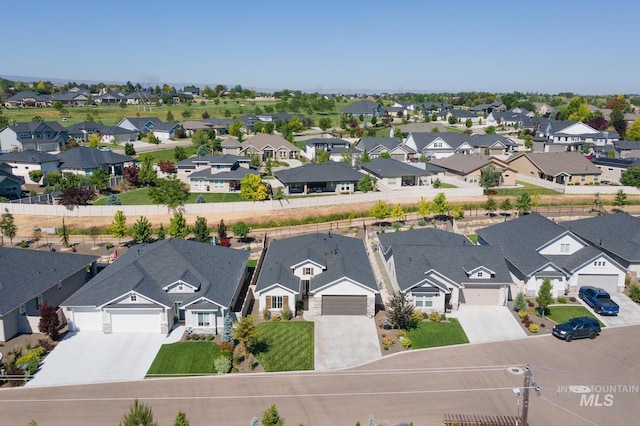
259, 346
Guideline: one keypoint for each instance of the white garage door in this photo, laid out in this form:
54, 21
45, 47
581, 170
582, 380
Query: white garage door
481, 296
86, 320
606, 282
141, 321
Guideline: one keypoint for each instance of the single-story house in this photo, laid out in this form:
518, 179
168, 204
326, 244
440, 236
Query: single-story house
569, 168
537, 248
395, 174
322, 177
366, 108
492, 144
329, 274
440, 270
439, 144
617, 234
267, 146
612, 168
461, 115
23, 162
29, 278
154, 287
469, 168
28, 99
83, 160
374, 146
627, 149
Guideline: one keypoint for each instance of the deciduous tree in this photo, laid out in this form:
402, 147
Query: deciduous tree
240, 230
400, 311
489, 177
36, 175
49, 323
544, 298
170, 191
380, 210
490, 205
252, 188
147, 173
119, 226
440, 205
367, 183
71, 197
397, 213
633, 133
424, 207
7, 226
631, 176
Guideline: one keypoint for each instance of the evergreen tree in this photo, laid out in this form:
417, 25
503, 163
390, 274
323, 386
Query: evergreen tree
490, 205
271, 417
178, 227
200, 199
181, 419
139, 414
245, 332
520, 302
161, 233
113, 200
201, 231
227, 331
141, 230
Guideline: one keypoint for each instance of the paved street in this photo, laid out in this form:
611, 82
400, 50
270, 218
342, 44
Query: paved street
417, 386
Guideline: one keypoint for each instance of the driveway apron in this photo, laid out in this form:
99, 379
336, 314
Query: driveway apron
629, 312
343, 341
488, 323
94, 357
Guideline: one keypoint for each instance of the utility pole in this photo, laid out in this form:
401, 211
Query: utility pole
529, 382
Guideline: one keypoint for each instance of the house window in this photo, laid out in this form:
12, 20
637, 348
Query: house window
480, 274
583, 178
217, 183
307, 270
276, 302
180, 287
564, 248
38, 302
345, 187
424, 301
599, 263
283, 155
133, 298
204, 319
23, 310
437, 144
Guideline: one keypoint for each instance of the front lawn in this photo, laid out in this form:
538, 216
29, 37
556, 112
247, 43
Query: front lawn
285, 345
141, 196
560, 314
431, 334
184, 359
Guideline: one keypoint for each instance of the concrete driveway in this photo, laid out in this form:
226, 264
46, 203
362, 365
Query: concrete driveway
488, 323
94, 357
629, 312
343, 341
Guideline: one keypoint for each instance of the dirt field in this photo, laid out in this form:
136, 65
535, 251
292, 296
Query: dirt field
26, 223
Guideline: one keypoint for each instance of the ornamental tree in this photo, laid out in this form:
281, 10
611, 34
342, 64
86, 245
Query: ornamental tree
49, 321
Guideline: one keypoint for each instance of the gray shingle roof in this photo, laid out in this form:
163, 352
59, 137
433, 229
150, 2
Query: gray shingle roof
83, 157
25, 274
29, 156
330, 171
226, 159
371, 143
343, 257
236, 174
147, 268
361, 107
452, 139
617, 233
387, 167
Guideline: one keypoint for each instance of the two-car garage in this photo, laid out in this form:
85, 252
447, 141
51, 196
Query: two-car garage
344, 305
120, 320
608, 283
484, 295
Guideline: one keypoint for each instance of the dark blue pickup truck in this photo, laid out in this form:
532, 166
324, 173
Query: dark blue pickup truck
599, 300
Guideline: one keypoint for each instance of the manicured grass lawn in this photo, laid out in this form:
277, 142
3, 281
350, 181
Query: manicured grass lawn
141, 196
446, 185
285, 345
185, 358
454, 130
525, 187
166, 154
561, 314
432, 334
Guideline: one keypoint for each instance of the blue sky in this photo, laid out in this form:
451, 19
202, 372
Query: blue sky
588, 47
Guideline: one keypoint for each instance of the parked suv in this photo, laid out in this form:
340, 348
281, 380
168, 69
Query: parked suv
577, 328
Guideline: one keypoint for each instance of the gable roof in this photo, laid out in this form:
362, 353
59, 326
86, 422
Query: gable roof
422, 237
31, 156
557, 163
618, 234
388, 167
454, 140
148, 268
330, 171
342, 256
226, 159
262, 140
465, 164
371, 143
361, 107
83, 157
481, 141
25, 273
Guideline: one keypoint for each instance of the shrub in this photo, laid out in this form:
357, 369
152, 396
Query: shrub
286, 313
209, 336
522, 313
531, 304
226, 346
47, 344
542, 325
634, 293
572, 299
109, 246
222, 364
401, 333
386, 324
525, 318
533, 328
434, 316
443, 317
23, 244
562, 299
416, 317
422, 222
406, 342
266, 314
396, 225
187, 337
387, 341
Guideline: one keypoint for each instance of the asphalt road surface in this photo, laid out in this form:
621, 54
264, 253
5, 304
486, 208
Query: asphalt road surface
416, 386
